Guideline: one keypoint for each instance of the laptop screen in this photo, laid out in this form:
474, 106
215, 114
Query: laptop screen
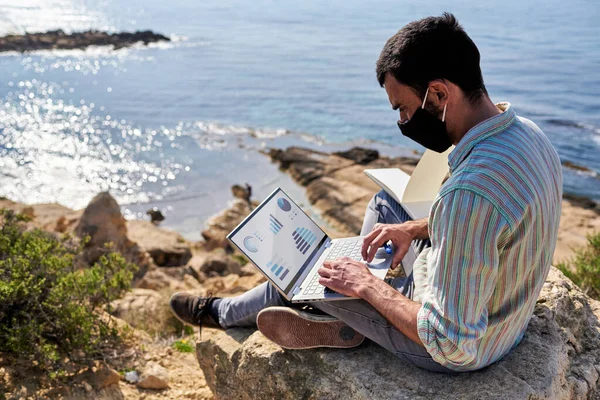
279, 238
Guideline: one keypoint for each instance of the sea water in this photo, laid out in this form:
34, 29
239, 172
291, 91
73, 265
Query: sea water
174, 125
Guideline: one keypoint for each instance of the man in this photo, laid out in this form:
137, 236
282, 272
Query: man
492, 229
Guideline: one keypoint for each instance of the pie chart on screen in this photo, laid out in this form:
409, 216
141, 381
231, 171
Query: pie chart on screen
284, 204
249, 244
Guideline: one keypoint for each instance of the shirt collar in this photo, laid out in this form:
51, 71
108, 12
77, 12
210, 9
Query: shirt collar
480, 132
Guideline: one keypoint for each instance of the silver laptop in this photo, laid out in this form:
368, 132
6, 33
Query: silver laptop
288, 247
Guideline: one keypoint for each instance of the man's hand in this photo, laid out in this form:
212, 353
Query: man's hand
353, 278
345, 276
401, 236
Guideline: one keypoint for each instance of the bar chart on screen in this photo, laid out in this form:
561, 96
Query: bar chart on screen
304, 239
274, 224
277, 266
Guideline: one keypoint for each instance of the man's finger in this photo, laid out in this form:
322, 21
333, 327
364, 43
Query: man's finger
398, 256
324, 272
375, 245
325, 281
367, 241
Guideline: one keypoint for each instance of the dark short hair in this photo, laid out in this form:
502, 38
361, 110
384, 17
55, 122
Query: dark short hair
433, 48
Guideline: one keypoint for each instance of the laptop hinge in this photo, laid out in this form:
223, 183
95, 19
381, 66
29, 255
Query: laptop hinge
295, 290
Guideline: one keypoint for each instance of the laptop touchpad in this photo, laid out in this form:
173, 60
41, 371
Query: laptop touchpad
380, 264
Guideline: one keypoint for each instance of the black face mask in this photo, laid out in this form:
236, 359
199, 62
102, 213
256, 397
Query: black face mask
426, 129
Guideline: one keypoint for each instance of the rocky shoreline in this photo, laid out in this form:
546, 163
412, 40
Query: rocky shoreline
559, 356
59, 40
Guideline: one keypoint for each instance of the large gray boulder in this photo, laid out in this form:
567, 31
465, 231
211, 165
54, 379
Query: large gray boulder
559, 358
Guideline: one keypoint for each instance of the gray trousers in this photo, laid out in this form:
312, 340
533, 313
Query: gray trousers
358, 314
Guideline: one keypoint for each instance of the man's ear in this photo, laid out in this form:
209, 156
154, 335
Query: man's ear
440, 90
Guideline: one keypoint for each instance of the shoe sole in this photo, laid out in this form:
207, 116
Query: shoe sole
293, 329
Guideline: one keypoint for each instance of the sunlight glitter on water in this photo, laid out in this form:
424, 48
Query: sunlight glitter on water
52, 150
43, 15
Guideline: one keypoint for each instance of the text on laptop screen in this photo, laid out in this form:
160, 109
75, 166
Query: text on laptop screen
279, 238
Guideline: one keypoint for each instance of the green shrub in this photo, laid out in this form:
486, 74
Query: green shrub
50, 301
183, 346
584, 268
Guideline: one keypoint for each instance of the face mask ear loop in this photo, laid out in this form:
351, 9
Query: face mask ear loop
444, 114
425, 99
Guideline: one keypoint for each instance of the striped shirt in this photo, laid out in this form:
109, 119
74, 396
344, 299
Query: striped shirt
493, 230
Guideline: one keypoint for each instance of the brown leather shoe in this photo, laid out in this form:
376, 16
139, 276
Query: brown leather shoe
193, 310
294, 329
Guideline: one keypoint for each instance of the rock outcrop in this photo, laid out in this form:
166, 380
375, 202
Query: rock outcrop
359, 155
218, 226
559, 358
335, 183
216, 263
174, 279
140, 308
167, 248
50, 217
77, 40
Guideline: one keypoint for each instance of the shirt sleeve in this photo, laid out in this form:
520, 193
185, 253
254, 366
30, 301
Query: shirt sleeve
465, 231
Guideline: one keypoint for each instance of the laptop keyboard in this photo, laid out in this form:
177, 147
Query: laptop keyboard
350, 248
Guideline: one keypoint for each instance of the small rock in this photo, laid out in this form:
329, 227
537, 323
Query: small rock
242, 192
248, 270
156, 215
86, 386
141, 308
217, 263
28, 212
56, 393
132, 377
21, 393
173, 278
154, 377
61, 224
103, 376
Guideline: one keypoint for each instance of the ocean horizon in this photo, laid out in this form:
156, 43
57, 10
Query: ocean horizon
174, 125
